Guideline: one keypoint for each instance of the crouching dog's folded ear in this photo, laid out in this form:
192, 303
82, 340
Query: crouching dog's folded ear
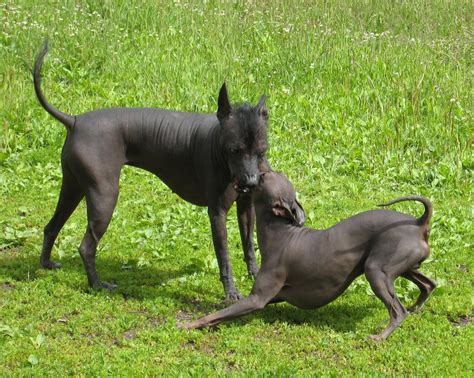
293, 212
300, 214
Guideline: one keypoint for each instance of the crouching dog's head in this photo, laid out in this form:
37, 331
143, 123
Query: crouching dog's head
276, 194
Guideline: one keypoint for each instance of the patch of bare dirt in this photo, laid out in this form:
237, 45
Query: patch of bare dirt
7, 286
130, 334
183, 316
460, 321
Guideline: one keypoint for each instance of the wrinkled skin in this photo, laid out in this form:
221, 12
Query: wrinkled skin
310, 268
208, 160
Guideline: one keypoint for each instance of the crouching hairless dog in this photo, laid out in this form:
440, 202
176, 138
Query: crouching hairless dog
207, 160
310, 268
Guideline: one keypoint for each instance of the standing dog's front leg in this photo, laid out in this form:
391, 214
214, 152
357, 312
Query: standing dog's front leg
217, 217
246, 217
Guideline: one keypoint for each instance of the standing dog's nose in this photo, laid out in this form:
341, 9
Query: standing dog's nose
250, 181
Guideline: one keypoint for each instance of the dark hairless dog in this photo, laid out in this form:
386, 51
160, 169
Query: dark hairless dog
207, 160
310, 268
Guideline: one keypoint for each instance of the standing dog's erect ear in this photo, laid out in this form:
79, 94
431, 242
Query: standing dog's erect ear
293, 212
261, 108
223, 104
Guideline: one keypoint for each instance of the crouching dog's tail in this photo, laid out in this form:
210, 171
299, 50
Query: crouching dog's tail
66, 119
425, 218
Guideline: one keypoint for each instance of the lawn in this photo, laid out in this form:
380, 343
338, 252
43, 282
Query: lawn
368, 101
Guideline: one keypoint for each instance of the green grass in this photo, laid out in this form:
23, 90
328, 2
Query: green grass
368, 100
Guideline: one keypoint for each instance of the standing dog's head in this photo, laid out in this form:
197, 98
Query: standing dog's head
275, 194
243, 139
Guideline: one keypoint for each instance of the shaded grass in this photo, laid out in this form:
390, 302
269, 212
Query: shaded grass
368, 101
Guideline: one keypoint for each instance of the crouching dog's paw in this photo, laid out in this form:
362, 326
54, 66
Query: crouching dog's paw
188, 325
375, 338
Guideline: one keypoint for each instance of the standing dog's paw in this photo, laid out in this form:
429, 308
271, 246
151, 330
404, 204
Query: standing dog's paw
253, 271
232, 296
414, 308
51, 265
104, 285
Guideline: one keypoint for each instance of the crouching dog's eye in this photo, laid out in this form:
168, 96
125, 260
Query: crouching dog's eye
234, 151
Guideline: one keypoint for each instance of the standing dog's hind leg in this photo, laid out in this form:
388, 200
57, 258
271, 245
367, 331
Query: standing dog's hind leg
69, 197
100, 206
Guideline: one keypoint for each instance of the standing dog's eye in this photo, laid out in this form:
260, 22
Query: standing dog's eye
234, 151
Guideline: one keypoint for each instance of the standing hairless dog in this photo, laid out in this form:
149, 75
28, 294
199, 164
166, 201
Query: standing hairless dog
310, 268
207, 160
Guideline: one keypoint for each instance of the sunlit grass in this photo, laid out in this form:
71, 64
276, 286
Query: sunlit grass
368, 100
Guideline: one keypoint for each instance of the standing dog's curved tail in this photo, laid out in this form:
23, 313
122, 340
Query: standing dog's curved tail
425, 218
66, 119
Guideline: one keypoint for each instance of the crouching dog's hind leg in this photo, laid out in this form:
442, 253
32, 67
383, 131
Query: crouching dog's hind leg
425, 284
381, 277
391, 257
383, 287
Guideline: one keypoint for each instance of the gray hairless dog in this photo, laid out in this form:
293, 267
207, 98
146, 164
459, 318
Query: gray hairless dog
207, 160
310, 268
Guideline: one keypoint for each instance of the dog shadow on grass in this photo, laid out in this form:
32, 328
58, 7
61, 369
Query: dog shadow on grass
342, 317
150, 282
145, 282
339, 316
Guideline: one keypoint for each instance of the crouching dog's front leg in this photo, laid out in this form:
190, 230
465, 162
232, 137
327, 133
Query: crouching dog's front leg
242, 307
266, 287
